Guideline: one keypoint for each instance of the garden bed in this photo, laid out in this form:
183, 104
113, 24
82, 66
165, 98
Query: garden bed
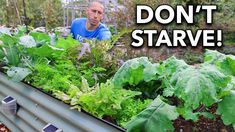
136, 94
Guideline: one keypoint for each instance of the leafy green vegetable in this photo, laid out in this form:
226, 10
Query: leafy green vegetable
1, 54
130, 108
226, 109
158, 116
166, 70
199, 86
46, 50
18, 73
40, 37
135, 71
8, 40
67, 43
105, 99
171, 65
12, 55
225, 63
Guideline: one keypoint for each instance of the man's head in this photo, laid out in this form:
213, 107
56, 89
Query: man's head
95, 13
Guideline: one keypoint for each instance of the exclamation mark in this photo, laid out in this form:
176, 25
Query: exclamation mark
219, 38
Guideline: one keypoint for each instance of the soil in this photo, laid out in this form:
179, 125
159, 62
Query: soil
203, 124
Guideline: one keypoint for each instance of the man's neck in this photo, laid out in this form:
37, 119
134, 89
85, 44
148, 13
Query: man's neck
90, 27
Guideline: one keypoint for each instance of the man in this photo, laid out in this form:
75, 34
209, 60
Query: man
91, 27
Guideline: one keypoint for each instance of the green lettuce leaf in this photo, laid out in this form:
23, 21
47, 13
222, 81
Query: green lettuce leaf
196, 86
135, 71
226, 109
158, 116
40, 37
67, 43
105, 99
225, 63
46, 50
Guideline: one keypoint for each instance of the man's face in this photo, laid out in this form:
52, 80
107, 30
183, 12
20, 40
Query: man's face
95, 13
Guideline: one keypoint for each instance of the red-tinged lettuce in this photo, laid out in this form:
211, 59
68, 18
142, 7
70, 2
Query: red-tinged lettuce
156, 117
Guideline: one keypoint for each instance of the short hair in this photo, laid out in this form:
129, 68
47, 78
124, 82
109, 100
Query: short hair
99, 1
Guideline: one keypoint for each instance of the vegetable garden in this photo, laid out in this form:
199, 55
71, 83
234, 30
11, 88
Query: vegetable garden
138, 95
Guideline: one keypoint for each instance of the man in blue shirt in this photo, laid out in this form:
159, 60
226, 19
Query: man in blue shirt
91, 27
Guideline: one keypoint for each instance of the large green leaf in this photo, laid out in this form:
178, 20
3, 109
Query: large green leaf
12, 55
67, 43
8, 40
40, 37
196, 86
226, 109
168, 68
135, 71
225, 63
1, 54
157, 117
171, 65
18, 73
46, 50
105, 99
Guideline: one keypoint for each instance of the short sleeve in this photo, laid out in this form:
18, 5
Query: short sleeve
105, 34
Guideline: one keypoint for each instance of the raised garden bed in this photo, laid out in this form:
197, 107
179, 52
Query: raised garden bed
138, 96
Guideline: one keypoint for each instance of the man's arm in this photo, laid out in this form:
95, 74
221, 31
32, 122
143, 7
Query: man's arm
105, 34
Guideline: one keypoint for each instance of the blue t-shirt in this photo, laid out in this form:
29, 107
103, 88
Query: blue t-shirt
79, 31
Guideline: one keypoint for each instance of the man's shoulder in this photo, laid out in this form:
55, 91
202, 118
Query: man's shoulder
103, 27
104, 33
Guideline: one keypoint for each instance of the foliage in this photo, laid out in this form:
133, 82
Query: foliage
18, 73
105, 99
138, 74
130, 108
39, 13
225, 63
78, 74
157, 116
199, 86
135, 71
226, 109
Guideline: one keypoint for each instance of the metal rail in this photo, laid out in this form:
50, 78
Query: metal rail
37, 109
